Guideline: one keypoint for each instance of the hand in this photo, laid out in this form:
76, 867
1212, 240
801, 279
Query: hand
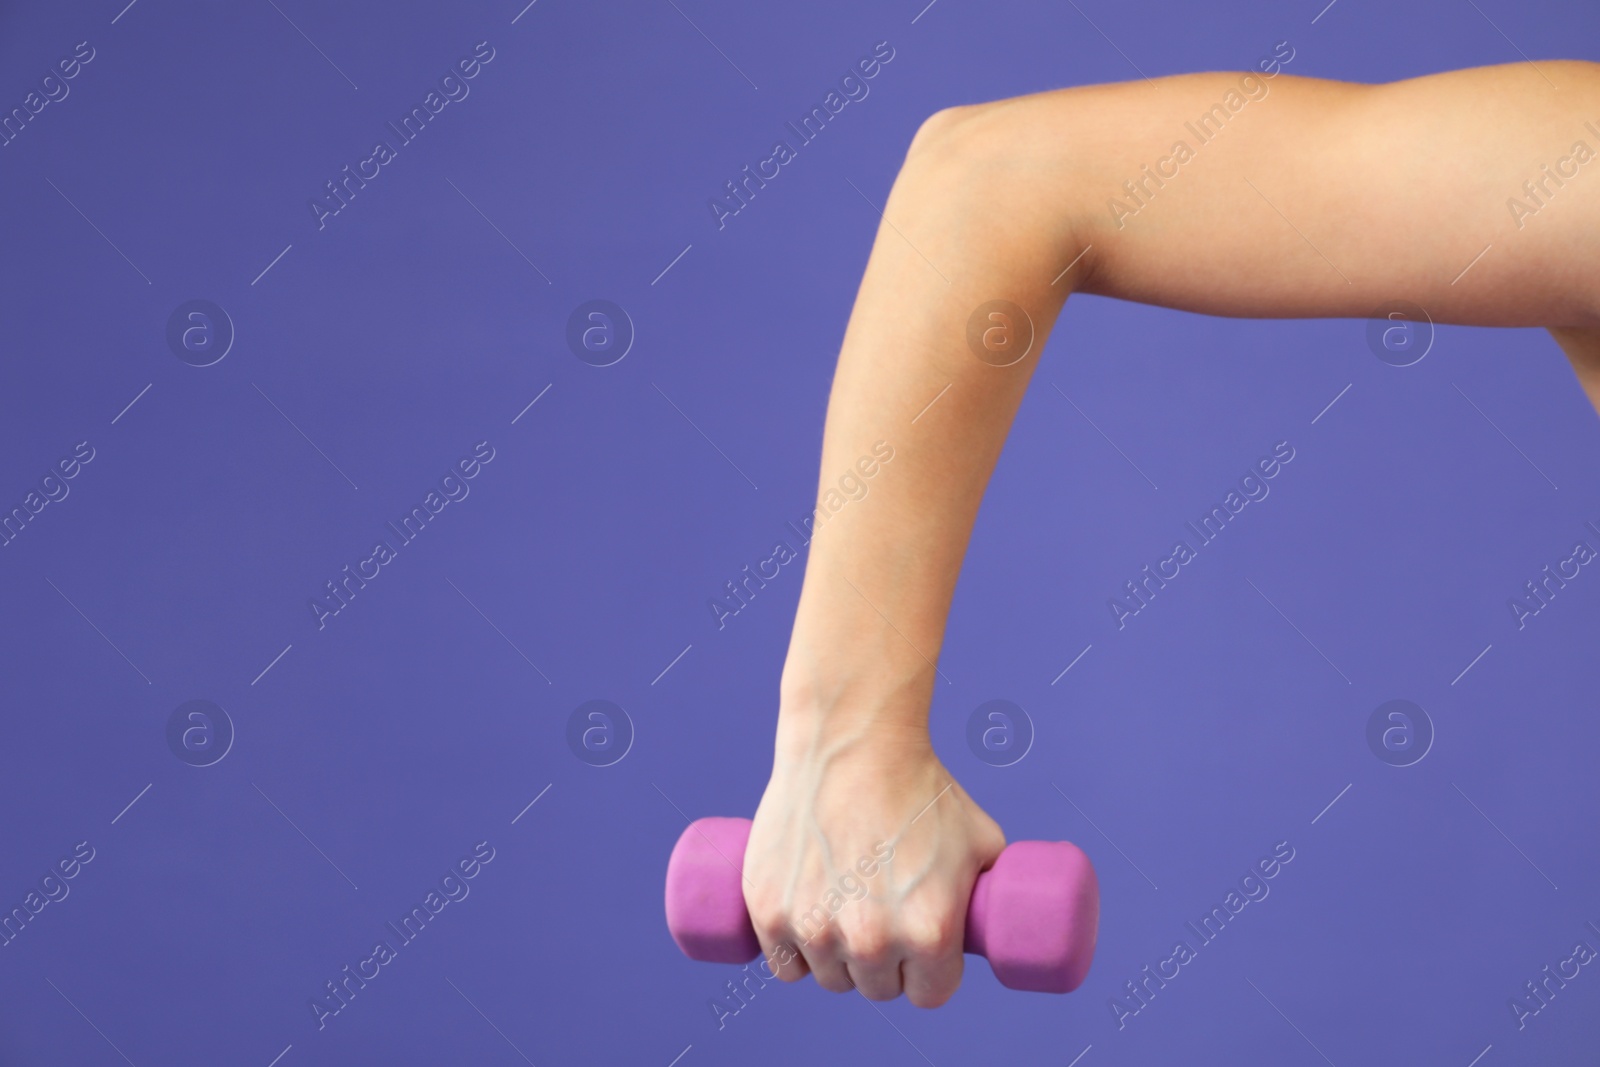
861, 861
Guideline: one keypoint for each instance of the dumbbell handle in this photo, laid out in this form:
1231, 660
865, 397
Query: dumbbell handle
1034, 914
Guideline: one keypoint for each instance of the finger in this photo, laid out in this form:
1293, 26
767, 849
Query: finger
822, 956
768, 918
932, 979
780, 958
872, 961
877, 981
933, 960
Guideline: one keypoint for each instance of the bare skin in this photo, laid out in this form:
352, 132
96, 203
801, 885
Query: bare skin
1315, 199
1583, 349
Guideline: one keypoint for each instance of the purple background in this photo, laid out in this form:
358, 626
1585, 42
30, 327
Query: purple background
409, 728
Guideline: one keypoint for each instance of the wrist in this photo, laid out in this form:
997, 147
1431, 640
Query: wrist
828, 701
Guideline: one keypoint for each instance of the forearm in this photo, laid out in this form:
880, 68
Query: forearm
882, 571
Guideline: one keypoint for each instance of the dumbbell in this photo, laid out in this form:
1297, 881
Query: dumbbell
1034, 914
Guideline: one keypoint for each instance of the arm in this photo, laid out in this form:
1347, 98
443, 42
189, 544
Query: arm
1583, 349
1314, 198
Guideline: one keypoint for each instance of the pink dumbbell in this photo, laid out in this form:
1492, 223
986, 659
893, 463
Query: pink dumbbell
1034, 914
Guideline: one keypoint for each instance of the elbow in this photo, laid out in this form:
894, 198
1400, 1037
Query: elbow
941, 132
956, 139
965, 162
994, 178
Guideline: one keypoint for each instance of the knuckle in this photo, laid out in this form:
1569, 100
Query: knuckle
816, 937
932, 933
763, 901
764, 915
810, 923
869, 945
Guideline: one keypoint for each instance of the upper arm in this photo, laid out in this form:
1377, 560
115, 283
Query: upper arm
1475, 194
